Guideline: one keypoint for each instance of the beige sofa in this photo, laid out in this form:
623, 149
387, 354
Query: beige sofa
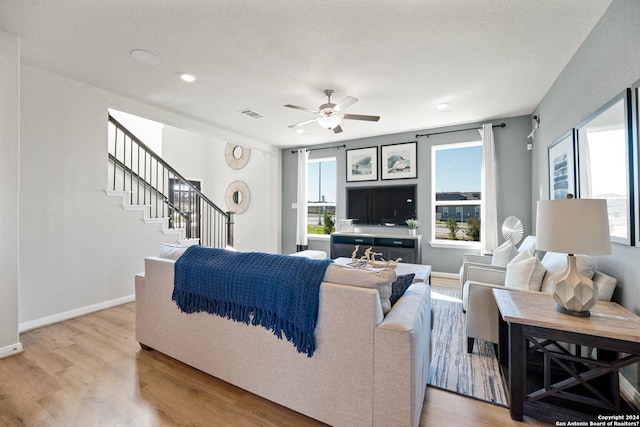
369, 369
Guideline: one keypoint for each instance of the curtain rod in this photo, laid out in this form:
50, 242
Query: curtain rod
501, 125
321, 148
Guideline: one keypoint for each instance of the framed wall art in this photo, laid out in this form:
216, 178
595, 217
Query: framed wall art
362, 164
562, 169
605, 164
399, 161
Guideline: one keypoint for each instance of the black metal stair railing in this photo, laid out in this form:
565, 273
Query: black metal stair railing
164, 193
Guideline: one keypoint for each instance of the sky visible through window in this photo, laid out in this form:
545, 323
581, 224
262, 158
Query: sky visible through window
324, 170
459, 169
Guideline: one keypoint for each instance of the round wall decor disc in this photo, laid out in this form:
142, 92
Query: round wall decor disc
237, 197
236, 156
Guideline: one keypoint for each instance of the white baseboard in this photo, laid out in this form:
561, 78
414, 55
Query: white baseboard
10, 350
445, 275
49, 320
629, 392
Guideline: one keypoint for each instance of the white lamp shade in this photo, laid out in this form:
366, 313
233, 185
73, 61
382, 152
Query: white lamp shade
573, 226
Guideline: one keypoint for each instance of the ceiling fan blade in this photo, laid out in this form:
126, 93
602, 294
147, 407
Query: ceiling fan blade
303, 123
361, 117
342, 105
337, 129
311, 110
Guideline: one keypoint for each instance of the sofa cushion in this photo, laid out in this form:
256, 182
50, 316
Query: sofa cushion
503, 254
524, 272
399, 286
172, 251
375, 278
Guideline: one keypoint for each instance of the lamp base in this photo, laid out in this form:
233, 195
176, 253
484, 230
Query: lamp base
573, 292
572, 313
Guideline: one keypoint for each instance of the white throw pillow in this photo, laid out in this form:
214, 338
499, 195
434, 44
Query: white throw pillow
375, 278
524, 272
503, 254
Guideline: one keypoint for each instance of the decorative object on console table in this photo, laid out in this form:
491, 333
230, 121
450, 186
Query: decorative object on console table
573, 226
399, 161
413, 225
362, 164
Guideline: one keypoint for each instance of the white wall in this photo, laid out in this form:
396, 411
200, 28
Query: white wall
9, 192
201, 157
78, 247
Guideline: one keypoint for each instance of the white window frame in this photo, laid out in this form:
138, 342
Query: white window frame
319, 160
445, 243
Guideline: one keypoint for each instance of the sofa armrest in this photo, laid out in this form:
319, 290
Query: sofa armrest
486, 274
402, 357
471, 259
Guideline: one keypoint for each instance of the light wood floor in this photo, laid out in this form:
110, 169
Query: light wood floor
90, 371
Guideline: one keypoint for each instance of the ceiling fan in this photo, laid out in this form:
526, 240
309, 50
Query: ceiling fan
330, 115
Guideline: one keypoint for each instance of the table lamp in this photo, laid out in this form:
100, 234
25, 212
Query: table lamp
574, 226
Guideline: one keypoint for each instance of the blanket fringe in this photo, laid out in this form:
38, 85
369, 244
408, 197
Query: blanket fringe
192, 303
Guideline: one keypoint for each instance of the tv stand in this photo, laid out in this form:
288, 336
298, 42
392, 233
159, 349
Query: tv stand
391, 246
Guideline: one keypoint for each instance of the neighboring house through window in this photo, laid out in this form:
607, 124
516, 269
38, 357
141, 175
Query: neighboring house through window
456, 189
321, 194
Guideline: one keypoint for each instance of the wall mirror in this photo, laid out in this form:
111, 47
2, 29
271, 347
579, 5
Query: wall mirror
236, 156
237, 197
635, 88
604, 168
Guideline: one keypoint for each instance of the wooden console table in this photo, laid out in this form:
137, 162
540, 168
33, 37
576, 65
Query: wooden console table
529, 322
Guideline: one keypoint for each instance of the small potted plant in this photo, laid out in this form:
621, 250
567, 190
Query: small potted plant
413, 224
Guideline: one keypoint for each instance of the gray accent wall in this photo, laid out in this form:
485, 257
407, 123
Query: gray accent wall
514, 183
9, 192
603, 67
606, 64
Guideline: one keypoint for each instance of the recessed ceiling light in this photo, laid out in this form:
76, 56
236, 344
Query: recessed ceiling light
299, 130
188, 77
442, 106
145, 57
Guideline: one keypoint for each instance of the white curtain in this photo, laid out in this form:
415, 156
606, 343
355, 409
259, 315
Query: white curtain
301, 224
489, 224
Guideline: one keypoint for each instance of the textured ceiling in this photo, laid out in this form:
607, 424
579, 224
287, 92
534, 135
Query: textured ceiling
486, 58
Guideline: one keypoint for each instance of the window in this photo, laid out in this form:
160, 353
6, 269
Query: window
456, 191
321, 195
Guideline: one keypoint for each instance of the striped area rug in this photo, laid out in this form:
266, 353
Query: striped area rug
475, 375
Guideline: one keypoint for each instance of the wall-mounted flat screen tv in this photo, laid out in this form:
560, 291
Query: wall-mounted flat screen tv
385, 205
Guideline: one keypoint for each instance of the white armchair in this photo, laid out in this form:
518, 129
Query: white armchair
480, 305
486, 263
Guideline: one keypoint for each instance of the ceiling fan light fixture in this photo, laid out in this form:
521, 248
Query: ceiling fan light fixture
329, 122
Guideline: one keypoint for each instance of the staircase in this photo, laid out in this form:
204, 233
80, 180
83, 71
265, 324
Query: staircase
147, 183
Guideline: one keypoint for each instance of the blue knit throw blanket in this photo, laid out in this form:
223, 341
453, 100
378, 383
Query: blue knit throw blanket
279, 292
